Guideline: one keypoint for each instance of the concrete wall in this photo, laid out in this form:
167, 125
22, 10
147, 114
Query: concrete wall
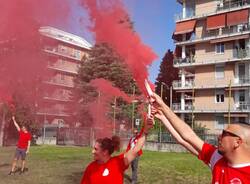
205, 7
205, 52
205, 75
205, 100
154, 146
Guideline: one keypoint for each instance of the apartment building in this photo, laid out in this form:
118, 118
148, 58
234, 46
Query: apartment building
213, 57
64, 52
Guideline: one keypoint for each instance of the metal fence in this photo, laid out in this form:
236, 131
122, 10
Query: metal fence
168, 138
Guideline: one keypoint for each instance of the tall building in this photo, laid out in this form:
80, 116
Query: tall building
64, 52
212, 55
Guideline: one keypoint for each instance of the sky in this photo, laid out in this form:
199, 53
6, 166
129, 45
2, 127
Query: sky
153, 21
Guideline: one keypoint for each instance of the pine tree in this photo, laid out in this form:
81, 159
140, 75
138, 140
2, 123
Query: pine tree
165, 78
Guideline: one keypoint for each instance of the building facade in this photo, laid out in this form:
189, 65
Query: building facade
212, 55
63, 51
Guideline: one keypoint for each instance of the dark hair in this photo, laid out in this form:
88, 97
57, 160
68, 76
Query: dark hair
111, 145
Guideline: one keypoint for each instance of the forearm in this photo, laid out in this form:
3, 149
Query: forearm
28, 147
132, 153
182, 129
16, 125
177, 136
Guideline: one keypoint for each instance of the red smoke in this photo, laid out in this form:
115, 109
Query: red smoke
106, 16
107, 88
22, 63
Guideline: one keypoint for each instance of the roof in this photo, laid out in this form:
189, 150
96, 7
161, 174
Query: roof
64, 37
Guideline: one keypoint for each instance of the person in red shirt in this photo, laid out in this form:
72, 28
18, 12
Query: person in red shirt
106, 169
134, 164
23, 146
229, 162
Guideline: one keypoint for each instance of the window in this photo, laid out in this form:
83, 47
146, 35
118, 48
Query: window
219, 71
78, 54
219, 122
219, 48
219, 96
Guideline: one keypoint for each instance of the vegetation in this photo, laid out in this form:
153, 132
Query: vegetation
65, 165
104, 62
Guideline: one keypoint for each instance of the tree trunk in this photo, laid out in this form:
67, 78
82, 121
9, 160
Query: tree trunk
2, 130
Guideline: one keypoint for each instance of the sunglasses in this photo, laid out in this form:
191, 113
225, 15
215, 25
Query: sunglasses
227, 133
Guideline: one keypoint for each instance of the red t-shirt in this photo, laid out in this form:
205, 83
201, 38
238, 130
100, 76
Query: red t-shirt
24, 138
110, 172
223, 172
132, 142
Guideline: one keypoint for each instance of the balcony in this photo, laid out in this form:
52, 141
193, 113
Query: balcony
177, 107
184, 61
243, 106
55, 50
189, 108
52, 112
226, 33
62, 69
177, 84
57, 98
59, 82
241, 53
221, 7
181, 16
232, 5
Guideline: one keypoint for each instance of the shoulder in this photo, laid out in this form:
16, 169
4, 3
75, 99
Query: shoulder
209, 155
91, 165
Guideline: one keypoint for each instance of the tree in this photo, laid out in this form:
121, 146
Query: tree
24, 114
165, 78
103, 62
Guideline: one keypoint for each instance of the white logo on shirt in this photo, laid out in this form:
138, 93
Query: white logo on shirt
235, 181
105, 172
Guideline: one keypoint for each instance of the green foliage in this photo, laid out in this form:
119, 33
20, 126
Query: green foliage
165, 78
24, 114
103, 62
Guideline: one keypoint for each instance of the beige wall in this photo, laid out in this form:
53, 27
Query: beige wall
205, 7
66, 64
205, 75
205, 100
205, 52
208, 120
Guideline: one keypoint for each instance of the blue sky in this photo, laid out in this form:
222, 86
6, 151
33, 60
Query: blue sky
153, 21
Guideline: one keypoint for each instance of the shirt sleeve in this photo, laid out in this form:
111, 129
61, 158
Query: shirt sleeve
121, 162
206, 153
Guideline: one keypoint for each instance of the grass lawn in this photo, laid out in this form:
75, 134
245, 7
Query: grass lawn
64, 165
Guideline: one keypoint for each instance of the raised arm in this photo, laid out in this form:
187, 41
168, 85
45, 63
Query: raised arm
130, 155
15, 123
173, 132
178, 124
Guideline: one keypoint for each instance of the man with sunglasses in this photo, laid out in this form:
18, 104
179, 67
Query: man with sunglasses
229, 162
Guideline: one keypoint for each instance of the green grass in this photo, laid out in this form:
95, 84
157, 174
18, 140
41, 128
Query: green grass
65, 165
